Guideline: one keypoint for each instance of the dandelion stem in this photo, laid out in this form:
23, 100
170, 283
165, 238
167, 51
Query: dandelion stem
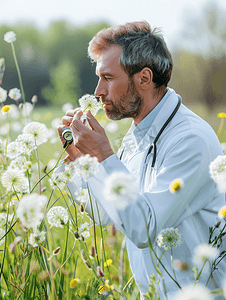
94, 224
197, 278
220, 127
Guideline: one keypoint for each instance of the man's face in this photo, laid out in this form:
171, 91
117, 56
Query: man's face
116, 90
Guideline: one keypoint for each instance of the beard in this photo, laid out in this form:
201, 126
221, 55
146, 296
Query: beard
128, 105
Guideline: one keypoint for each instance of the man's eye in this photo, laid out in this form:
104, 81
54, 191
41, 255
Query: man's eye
107, 78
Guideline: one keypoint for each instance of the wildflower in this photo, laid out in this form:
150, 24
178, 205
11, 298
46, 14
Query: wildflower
180, 265
15, 94
36, 238
204, 252
18, 163
3, 95
14, 180
112, 127
74, 282
169, 238
66, 107
89, 102
100, 272
191, 292
84, 230
108, 262
222, 213
176, 185
58, 180
5, 108
217, 166
106, 289
13, 150
30, 211
34, 99
10, 37
82, 195
27, 108
26, 143
86, 166
38, 131
57, 216
221, 115
120, 189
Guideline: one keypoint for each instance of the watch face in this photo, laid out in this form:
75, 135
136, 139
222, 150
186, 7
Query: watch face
67, 134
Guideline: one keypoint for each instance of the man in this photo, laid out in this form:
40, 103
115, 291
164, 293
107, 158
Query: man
134, 67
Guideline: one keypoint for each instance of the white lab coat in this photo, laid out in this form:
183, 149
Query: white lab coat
184, 150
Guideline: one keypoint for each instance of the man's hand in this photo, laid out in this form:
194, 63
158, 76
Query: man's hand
92, 141
72, 151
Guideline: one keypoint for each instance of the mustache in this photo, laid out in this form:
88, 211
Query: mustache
106, 101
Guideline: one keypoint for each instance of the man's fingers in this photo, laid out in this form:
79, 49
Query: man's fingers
72, 112
66, 120
94, 124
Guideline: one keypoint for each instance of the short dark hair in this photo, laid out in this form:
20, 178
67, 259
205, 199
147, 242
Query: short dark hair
141, 47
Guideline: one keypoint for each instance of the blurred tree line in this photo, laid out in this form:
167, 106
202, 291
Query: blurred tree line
55, 66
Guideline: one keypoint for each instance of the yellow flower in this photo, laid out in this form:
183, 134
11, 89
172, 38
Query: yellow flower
106, 289
5, 108
108, 262
176, 185
222, 213
74, 282
221, 115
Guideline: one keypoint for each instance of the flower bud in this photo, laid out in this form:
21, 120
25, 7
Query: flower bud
34, 99
81, 207
92, 251
76, 234
56, 251
100, 272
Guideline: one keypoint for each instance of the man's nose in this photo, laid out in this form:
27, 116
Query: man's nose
101, 89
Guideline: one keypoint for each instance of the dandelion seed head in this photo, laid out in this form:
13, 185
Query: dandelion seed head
89, 102
169, 238
58, 180
204, 252
57, 216
3, 95
38, 131
26, 143
36, 238
191, 292
13, 150
86, 166
15, 94
14, 180
10, 37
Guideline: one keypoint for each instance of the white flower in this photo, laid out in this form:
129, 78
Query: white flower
112, 127
15, 94
169, 238
86, 166
30, 210
17, 163
89, 102
14, 112
10, 37
13, 150
14, 180
176, 185
120, 189
58, 180
84, 230
217, 166
66, 107
27, 109
204, 252
191, 292
38, 131
26, 143
57, 216
82, 195
3, 95
36, 238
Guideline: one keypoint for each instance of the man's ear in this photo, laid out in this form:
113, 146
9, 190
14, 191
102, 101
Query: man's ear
144, 78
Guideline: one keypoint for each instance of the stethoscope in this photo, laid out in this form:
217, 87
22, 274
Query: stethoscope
153, 146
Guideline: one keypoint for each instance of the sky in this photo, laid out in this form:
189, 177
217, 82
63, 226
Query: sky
169, 15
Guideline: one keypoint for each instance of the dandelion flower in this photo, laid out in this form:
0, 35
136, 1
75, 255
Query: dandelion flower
3, 95
82, 195
217, 166
89, 102
38, 131
5, 108
191, 292
15, 94
58, 180
30, 210
57, 216
86, 166
222, 213
221, 115
176, 185
13, 150
74, 282
120, 189
169, 238
106, 289
14, 180
108, 262
204, 252
26, 143
36, 238
84, 230
17, 163
10, 37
